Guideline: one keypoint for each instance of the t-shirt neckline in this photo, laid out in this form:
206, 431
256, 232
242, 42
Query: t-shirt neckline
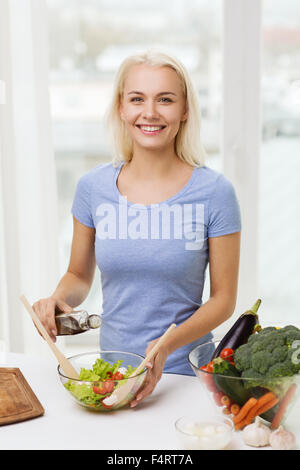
124, 200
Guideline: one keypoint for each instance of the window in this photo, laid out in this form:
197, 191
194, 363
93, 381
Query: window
88, 41
279, 198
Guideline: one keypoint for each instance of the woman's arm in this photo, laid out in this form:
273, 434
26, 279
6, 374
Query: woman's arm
75, 285
224, 255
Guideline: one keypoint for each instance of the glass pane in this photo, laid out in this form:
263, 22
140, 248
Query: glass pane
279, 223
88, 40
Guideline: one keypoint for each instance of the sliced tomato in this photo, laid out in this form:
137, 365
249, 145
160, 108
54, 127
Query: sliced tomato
210, 367
108, 407
104, 387
109, 386
99, 390
117, 376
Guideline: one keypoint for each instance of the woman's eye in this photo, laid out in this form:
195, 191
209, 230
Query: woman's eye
164, 99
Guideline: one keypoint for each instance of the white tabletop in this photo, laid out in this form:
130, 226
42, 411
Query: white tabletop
67, 425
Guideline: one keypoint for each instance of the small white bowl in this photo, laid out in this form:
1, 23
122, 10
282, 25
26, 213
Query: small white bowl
212, 433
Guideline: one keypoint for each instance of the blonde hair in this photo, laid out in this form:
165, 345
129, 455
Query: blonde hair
188, 146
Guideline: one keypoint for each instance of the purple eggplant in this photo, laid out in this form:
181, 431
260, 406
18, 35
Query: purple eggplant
239, 333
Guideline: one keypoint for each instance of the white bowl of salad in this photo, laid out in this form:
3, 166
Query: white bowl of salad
100, 374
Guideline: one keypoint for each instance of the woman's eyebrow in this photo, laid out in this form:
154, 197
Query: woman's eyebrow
158, 94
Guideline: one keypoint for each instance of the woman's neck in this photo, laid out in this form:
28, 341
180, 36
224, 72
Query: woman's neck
153, 166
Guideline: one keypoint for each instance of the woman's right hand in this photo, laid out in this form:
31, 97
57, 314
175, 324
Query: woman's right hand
46, 309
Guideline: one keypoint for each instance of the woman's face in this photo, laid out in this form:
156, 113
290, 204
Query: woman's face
153, 106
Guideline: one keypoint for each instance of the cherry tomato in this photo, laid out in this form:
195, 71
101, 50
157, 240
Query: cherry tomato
227, 354
210, 367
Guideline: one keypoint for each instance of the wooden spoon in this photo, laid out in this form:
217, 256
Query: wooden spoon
66, 365
120, 393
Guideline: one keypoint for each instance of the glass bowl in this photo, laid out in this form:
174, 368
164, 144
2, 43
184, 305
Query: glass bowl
214, 433
239, 390
86, 392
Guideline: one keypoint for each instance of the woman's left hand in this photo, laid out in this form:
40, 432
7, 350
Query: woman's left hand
154, 373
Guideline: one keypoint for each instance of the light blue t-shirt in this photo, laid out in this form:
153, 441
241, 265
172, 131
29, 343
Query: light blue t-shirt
152, 258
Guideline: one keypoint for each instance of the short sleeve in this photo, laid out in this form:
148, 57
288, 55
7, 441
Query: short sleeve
224, 209
81, 207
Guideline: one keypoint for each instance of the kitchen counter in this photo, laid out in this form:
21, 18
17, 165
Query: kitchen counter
67, 425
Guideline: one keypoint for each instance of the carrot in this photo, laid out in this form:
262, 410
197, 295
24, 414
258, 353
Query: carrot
283, 406
226, 401
260, 403
268, 406
244, 410
235, 409
240, 425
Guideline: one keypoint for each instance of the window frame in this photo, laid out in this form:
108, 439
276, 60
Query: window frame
241, 129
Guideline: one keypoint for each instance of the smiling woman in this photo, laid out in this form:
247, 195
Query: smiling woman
150, 276
149, 114
143, 97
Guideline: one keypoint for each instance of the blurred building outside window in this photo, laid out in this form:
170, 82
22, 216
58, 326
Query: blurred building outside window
279, 223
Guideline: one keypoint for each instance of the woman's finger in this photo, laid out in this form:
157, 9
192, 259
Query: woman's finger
147, 390
49, 312
63, 307
149, 385
45, 310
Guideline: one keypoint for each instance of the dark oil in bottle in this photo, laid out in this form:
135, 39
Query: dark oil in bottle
76, 322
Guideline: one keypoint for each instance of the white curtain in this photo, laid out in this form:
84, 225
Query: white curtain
29, 246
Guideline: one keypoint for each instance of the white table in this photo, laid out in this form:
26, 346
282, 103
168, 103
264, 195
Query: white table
67, 425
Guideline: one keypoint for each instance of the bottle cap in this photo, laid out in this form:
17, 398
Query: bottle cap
94, 321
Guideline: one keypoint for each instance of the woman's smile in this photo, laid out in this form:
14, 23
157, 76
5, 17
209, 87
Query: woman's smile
150, 130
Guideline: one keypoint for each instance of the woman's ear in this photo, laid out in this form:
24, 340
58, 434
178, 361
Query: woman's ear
185, 116
186, 113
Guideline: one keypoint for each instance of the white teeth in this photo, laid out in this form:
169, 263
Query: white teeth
152, 128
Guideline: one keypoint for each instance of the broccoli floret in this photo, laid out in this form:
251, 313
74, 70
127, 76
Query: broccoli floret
281, 369
252, 378
242, 358
267, 357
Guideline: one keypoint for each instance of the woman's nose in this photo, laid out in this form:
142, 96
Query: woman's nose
149, 110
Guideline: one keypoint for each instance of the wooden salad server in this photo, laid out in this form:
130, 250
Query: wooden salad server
120, 393
65, 364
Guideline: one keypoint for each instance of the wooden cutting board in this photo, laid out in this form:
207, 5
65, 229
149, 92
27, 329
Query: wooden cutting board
17, 400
